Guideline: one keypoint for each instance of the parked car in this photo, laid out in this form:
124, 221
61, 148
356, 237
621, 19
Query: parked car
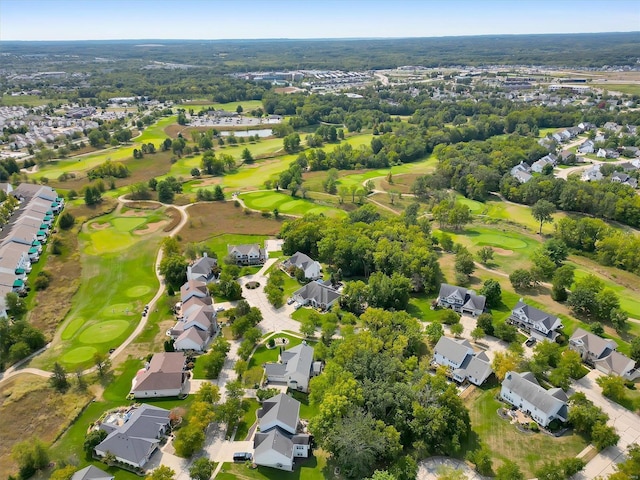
220, 308
290, 301
530, 342
241, 456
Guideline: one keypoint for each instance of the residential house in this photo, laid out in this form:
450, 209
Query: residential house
607, 153
564, 156
621, 177
193, 288
249, 254
295, 368
197, 319
591, 347
280, 439
612, 126
558, 137
539, 165
628, 166
163, 376
461, 359
191, 339
133, 437
202, 269
587, 147
541, 325
92, 473
521, 172
618, 364
592, 174
523, 391
316, 294
311, 268
461, 300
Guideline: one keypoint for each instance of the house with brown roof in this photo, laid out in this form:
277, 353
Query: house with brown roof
163, 376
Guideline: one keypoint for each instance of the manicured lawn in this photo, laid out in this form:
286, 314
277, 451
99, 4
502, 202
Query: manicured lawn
198, 368
219, 243
307, 411
118, 279
27, 100
264, 354
529, 451
286, 204
248, 419
314, 468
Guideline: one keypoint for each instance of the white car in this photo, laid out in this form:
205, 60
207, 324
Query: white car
220, 308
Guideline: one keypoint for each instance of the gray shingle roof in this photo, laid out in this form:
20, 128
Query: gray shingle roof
535, 315
91, 473
617, 363
165, 372
594, 344
273, 440
300, 260
283, 409
322, 294
453, 350
204, 265
525, 386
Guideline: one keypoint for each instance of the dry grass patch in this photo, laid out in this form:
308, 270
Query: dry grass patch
215, 218
29, 407
175, 218
401, 183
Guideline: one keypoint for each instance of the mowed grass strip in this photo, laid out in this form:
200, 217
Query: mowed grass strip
269, 200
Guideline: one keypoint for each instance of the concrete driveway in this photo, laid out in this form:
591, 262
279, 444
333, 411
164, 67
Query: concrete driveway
490, 345
626, 423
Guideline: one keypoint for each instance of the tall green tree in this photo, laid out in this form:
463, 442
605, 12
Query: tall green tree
543, 211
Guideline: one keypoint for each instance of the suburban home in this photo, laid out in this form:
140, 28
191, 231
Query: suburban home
461, 300
316, 294
202, 269
587, 147
618, 364
621, 177
163, 376
539, 165
521, 172
601, 353
135, 435
249, 254
193, 288
295, 368
523, 391
592, 174
540, 324
191, 339
280, 439
461, 359
312, 269
92, 473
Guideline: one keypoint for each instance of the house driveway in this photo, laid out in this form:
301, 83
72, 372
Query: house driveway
490, 345
626, 423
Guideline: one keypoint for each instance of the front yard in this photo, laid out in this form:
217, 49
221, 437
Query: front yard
529, 450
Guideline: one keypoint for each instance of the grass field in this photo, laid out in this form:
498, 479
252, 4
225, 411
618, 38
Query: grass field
286, 204
315, 468
117, 280
631, 89
529, 451
27, 100
219, 243
264, 354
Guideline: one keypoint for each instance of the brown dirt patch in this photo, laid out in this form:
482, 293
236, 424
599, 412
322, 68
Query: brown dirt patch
175, 218
502, 251
150, 228
133, 213
215, 218
34, 410
143, 205
100, 226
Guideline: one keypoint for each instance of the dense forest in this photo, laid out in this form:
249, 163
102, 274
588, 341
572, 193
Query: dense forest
578, 50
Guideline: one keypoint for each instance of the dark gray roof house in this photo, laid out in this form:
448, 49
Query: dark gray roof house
540, 324
316, 294
461, 300
523, 391
202, 269
134, 438
91, 473
295, 367
248, 254
463, 362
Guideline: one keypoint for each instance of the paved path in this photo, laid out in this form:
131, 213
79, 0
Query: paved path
626, 423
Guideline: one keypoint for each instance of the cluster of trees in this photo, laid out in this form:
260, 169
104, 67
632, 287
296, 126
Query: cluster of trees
590, 298
593, 237
7, 208
144, 149
31, 456
173, 266
591, 421
244, 320
216, 165
166, 188
213, 361
18, 338
227, 285
274, 289
109, 169
399, 248
190, 437
377, 401
8, 167
206, 195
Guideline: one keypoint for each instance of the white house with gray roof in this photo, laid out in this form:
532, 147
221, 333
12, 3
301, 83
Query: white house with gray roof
295, 369
133, 437
541, 325
202, 269
461, 300
248, 254
91, 473
311, 268
462, 361
522, 172
279, 439
601, 353
523, 391
316, 294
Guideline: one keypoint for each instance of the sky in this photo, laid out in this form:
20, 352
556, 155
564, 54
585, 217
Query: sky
251, 19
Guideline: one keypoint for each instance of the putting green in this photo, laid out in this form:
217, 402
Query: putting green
109, 240
138, 291
104, 331
128, 224
71, 329
79, 355
501, 241
267, 200
118, 309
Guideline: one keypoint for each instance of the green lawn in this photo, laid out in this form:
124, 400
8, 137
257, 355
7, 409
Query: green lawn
314, 468
529, 451
263, 354
27, 100
219, 243
286, 204
248, 419
307, 411
118, 279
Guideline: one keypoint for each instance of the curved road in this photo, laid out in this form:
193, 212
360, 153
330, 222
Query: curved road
17, 370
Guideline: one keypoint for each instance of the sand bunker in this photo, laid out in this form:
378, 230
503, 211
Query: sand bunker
100, 226
502, 251
150, 228
135, 213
